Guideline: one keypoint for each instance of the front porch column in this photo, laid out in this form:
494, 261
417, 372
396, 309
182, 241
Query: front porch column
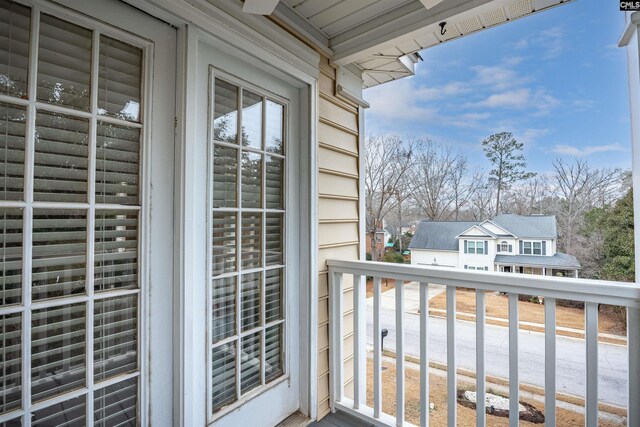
631, 41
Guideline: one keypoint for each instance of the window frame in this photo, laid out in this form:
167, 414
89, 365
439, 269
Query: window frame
214, 73
532, 247
474, 246
86, 16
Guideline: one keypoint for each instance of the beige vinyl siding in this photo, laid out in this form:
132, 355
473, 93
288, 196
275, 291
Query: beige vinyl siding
338, 208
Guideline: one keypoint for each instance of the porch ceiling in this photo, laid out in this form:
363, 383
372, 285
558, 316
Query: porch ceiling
382, 37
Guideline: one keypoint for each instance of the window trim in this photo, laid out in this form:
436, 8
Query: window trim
211, 417
532, 247
475, 245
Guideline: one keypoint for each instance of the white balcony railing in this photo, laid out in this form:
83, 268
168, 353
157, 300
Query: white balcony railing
590, 292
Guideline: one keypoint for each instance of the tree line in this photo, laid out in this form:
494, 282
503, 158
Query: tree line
410, 179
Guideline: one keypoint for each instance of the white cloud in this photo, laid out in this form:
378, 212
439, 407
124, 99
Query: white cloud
521, 44
468, 120
497, 77
582, 104
532, 135
571, 150
398, 102
539, 101
552, 41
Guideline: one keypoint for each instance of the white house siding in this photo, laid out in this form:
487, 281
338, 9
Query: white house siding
512, 242
338, 211
427, 257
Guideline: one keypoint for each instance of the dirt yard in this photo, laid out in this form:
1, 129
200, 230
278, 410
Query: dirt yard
497, 306
438, 396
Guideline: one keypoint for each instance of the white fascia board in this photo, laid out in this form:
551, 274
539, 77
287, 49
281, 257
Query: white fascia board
349, 84
365, 39
291, 18
407, 61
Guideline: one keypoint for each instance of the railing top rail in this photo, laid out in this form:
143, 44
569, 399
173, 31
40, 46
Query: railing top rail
598, 291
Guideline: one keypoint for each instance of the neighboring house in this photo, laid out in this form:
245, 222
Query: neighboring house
508, 243
382, 238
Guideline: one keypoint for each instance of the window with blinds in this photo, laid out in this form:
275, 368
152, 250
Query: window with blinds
70, 161
247, 219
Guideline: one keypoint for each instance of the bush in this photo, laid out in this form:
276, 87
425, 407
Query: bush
570, 304
393, 257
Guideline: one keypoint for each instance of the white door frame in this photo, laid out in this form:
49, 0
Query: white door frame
156, 255
190, 380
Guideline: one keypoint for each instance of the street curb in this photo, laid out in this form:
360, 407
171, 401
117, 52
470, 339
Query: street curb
534, 327
564, 397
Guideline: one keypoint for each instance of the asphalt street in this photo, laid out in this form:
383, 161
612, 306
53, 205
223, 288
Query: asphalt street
571, 359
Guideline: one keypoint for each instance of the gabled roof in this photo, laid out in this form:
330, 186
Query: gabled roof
444, 235
478, 227
439, 235
505, 233
527, 227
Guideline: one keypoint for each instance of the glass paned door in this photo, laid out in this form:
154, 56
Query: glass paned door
247, 147
71, 125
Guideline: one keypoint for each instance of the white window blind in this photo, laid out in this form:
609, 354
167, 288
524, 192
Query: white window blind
13, 127
247, 242
70, 162
15, 25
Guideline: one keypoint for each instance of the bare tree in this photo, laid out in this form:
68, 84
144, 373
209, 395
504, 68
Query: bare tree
387, 162
464, 186
482, 199
441, 186
533, 196
581, 188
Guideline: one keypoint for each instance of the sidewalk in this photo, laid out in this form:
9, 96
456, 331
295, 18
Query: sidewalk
412, 306
411, 297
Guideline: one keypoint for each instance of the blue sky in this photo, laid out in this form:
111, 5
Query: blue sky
556, 79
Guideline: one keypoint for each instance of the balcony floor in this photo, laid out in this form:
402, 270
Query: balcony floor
340, 419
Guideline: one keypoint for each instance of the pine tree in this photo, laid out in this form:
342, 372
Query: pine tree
509, 165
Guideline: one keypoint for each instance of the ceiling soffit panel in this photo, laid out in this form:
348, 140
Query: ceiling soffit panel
371, 20
483, 17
